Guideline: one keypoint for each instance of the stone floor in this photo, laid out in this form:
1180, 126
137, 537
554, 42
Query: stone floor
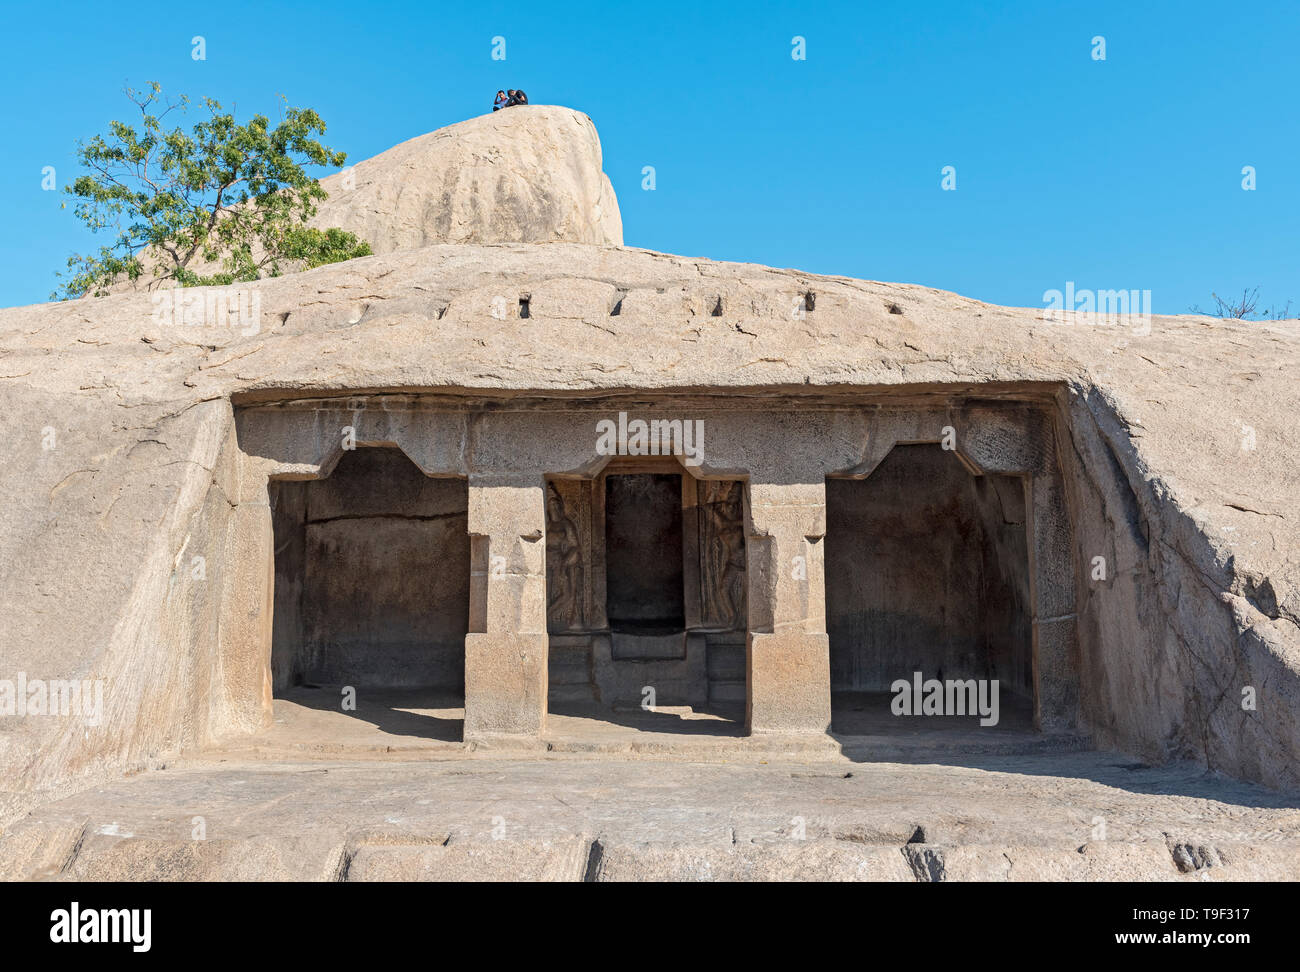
424, 809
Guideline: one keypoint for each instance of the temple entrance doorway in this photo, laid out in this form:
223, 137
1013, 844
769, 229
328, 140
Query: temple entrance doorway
646, 592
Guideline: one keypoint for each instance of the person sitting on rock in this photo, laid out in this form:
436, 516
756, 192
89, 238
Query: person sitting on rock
501, 101
518, 98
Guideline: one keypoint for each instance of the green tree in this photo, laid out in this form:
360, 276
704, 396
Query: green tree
236, 196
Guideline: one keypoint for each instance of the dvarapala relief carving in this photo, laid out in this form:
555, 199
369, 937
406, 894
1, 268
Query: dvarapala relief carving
722, 550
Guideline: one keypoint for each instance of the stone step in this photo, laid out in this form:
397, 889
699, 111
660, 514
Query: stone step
726, 662
570, 673
636, 646
571, 692
570, 660
726, 691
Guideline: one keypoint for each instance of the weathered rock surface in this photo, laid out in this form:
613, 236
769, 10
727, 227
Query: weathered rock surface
529, 174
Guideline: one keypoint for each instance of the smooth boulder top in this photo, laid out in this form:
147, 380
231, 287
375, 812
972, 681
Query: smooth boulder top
527, 174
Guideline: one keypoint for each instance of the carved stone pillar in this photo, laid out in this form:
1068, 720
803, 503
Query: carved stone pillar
505, 651
244, 634
1055, 622
788, 654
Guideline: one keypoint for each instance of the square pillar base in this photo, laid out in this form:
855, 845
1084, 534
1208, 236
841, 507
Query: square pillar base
789, 683
505, 685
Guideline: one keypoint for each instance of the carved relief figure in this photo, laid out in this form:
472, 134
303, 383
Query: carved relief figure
564, 554
723, 572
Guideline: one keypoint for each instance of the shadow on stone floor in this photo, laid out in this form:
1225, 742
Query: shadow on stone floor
868, 732
722, 719
435, 715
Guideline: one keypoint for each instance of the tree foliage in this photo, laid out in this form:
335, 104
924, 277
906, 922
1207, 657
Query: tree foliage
237, 196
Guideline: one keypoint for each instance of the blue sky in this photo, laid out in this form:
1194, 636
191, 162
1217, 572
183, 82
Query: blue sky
1115, 174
